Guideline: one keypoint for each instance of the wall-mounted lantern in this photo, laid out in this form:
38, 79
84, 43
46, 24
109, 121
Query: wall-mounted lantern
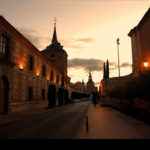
37, 74
21, 67
47, 78
146, 65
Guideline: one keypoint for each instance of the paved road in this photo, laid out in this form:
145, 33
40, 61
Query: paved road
69, 122
60, 122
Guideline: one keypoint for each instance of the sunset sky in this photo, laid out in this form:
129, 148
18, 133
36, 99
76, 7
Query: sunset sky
87, 29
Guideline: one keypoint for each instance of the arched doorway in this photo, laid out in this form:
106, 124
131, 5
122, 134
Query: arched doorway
4, 94
60, 96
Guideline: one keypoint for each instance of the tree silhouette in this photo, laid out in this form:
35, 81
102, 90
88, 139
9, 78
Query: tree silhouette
107, 69
104, 72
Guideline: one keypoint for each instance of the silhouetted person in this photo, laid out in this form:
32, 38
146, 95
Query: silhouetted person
94, 98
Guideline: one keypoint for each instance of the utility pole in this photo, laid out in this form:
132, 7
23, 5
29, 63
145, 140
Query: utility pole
118, 43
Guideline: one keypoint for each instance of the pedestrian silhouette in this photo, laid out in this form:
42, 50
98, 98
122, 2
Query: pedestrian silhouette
94, 98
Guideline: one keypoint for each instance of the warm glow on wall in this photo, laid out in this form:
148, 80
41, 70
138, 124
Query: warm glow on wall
146, 64
37, 73
21, 66
47, 78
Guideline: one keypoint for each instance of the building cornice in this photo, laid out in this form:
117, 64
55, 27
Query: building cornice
140, 24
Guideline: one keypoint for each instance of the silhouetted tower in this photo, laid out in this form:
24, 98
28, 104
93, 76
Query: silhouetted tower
58, 56
83, 86
54, 38
90, 77
90, 84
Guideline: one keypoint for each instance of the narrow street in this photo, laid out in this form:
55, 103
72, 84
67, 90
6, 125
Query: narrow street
59, 122
69, 121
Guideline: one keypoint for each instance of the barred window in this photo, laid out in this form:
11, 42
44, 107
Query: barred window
43, 70
3, 43
30, 93
31, 62
43, 94
52, 76
57, 79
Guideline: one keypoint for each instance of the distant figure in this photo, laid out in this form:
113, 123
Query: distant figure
91, 97
94, 98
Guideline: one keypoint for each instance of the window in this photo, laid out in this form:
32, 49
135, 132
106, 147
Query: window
30, 93
62, 80
43, 94
57, 79
43, 70
3, 43
31, 63
52, 76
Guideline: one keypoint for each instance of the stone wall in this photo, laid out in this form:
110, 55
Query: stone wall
113, 84
17, 71
140, 36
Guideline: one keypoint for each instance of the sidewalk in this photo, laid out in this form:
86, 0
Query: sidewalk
26, 110
93, 123
106, 123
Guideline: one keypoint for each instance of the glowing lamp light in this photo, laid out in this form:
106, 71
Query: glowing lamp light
47, 78
37, 74
21, 66
146, 64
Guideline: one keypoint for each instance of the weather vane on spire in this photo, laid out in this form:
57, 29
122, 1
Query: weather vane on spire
54, 38
55, 20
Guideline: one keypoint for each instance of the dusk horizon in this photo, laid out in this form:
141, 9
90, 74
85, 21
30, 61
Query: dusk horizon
94, 39
75, 69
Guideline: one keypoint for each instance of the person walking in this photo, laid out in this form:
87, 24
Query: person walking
93, 97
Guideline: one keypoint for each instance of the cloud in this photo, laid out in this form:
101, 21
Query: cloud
125, 64
79, 43
39, 41
87, 64
93, 64
85, 40
34, 37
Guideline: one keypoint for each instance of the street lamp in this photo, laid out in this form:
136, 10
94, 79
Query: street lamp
118, 43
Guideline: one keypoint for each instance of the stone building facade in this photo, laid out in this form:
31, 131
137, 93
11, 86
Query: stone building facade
58, 56
140, 39
25, 73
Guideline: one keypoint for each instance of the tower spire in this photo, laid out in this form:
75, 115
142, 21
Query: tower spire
90, 76
54, 39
